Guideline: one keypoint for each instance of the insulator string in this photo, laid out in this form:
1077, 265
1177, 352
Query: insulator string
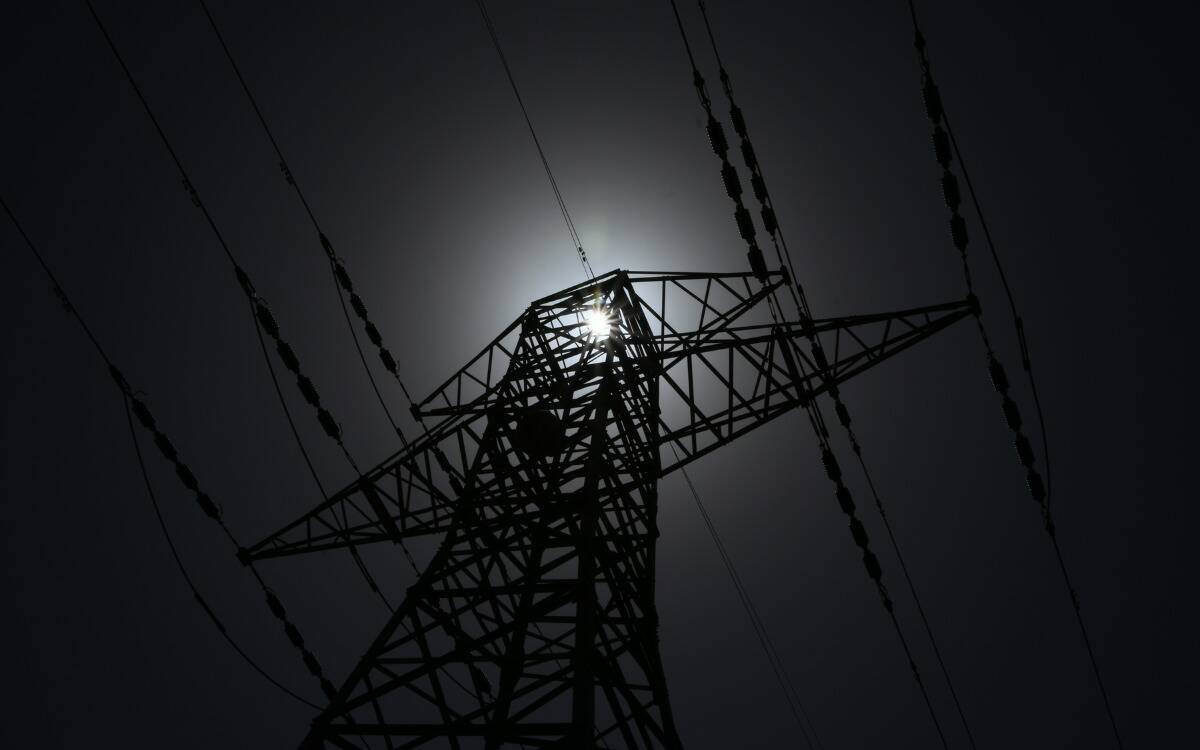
767, 213
812, 410
946, 150
263, 319
183, 571
183, 472
729, 174
771, 222
336, 262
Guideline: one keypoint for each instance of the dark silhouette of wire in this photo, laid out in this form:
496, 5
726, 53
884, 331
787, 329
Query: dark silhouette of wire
183, 571
790, 694
343, 285
1087, 641
1019, 326
1018, 321
286, 169
912, 587
558, 196
243, 280
805, 311
208, 218
287, 412
777, 237
811, 408
73, 311
59, 292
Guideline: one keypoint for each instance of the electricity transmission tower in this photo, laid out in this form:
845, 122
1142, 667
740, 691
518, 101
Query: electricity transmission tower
534, 623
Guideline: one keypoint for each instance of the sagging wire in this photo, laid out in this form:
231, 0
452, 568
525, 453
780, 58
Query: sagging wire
946, 150
771, 223
136, 406
558, 196
344, 286
758, 182
720, 146
263, 319
1018, 321
812, 410
342, 281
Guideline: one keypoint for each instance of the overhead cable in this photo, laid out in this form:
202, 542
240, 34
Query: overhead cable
187, 578
341, 277
946, 150
1018, 321
209, 507
576, 241
812, 410
263, 319
771, 222
790, 695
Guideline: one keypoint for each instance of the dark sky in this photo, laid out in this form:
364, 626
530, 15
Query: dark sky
1077, 125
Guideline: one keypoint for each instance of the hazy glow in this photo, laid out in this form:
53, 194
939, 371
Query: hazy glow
599, 323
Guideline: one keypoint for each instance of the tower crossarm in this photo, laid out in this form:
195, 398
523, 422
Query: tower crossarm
720, 382
396, 500
533, 624
714, 300
725, 358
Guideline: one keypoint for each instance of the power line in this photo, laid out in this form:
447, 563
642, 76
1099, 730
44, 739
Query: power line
558, 196
771, 222
261, 313
912, 588
1017, 321
210, 508
262, 317
758, 182
729, 174
945, 150
336, 263
812, 410
790, 695
344, 286
183, 571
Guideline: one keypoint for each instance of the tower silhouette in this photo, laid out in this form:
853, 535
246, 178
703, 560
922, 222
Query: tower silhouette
534, 622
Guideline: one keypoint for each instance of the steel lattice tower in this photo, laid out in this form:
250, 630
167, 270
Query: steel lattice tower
534, 623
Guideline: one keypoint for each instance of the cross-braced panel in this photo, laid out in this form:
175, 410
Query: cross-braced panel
535, 623
726, 361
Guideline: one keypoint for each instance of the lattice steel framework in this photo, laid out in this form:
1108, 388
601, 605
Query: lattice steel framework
534, 623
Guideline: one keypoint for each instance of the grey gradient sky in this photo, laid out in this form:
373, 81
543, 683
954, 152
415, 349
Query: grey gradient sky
1076, 123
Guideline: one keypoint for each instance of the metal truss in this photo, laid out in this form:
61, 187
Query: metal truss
534, 623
